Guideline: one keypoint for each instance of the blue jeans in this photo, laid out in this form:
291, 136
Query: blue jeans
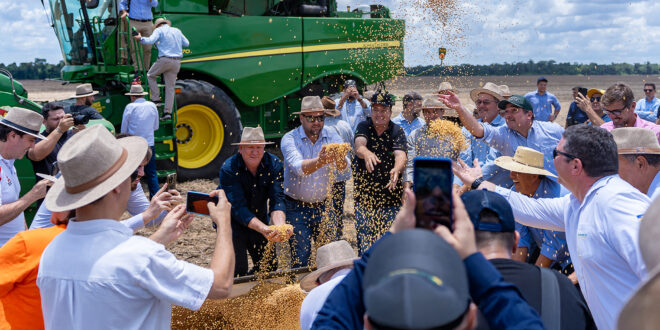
150, 174
337, 212
307, 224
372, 223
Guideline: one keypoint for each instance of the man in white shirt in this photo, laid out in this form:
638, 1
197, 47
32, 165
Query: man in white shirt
639, 159
19, 130
601, 218
96, 274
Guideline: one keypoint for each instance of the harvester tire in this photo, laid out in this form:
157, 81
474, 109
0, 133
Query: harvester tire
208, 122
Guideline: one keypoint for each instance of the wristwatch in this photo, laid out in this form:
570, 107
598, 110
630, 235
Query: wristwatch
475, 185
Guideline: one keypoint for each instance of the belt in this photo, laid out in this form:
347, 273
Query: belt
171, 58
305, 204
140, 20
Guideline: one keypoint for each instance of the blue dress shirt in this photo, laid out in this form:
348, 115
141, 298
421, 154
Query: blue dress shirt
140, 9
140, 118
542, 104
169, 41
407, 126
344, 130
478, 149
353, 113
654, 192
648, 110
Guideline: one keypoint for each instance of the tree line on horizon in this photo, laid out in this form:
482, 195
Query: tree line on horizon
40, 69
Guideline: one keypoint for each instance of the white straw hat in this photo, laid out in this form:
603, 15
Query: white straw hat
24, 120
85, 90
136, 90
490, 89
252, 136
525, 160
328, 257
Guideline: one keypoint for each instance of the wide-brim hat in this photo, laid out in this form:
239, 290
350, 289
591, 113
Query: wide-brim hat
641, 311
252, 136
505, 91
446, 86
635, 141
310, 104
85, 90
160, 21
593, 91
92, 163
24, 120
488, 88
331, 256
330, 107
432, 102
136, 90
525, 160
649, 229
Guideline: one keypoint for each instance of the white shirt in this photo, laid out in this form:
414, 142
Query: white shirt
654, 192
602, 237
97, 275
10, 190
140, 118
316, 298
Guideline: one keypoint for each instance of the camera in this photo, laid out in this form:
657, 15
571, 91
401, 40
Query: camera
79, 119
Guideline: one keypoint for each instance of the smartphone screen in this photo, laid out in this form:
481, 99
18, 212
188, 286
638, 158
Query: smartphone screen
433, 187
171, 181
197, 202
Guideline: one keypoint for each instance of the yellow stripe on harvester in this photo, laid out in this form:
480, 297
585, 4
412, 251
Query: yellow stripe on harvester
298, 49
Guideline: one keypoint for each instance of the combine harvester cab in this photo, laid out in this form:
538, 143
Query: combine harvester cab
249, 63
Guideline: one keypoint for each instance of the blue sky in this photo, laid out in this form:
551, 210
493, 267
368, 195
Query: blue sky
477, 32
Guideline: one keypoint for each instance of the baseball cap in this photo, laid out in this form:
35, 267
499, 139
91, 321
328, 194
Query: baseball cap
383, 98
415, 280
478, 200
517, 100
349, 82
541, 78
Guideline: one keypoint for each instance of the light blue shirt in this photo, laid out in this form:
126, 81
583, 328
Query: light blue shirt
421, 143
140, 9
353, 113
648, 110
140, 119
316, 298
542, 136
654, 192
478, 149
296, 147
408, 127
602, 234
542, 104
169, 41
343, 129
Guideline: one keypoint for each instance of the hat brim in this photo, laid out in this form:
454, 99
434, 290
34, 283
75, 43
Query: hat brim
58, 199
308, 111
37, 135
308, 282
88, 94
507, 163
475, 93
136, 94
251, 143
163, 22
332, 112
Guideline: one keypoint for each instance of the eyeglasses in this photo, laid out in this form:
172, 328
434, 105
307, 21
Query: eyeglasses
484, 102
596, 98
647, 90
616, 112
509, 112
311, 119
556, 153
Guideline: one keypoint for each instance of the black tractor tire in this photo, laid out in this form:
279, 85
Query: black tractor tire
198, 92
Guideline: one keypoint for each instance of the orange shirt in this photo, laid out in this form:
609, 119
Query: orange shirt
19, 294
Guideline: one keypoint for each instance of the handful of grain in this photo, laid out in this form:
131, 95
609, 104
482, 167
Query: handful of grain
337, 150
282, 230
449, 132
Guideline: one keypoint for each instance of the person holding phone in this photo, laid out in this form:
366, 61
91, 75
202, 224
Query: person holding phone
252, 180
354, 109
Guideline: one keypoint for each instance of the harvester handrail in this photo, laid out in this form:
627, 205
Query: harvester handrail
19, 99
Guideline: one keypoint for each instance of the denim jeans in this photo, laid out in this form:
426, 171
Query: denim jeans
337, 212
372, 223
307, 224
150, 174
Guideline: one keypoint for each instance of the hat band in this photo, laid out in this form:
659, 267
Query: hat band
19, 127
104, 176
640, 150
520, 161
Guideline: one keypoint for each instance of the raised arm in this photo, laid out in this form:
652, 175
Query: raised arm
467, 119
584, 104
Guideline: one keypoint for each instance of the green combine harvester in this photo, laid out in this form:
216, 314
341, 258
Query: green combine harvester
249, 63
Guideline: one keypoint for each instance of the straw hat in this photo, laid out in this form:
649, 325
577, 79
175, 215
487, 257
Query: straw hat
93, 163
446, 86
635, 140
85, 90
136, 90
328, 257
641, 310
310, 104
505, 91
593, 91
24, 120
525, 160
432, 102
160, 21
252, 136
329, 106
490, 89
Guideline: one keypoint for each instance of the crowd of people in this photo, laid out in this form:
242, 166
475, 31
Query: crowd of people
547, 221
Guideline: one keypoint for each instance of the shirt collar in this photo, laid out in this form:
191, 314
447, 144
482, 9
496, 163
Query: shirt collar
596, 186
140, 100
91, 227
262, 164
654, 183
498, 121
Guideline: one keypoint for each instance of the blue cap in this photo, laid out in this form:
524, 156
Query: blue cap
541, 78
383, 98
478, 200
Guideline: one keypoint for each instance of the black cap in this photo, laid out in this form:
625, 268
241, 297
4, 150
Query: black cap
349, 82
517, 100
541, 78
478, 200
382, 98
415, 280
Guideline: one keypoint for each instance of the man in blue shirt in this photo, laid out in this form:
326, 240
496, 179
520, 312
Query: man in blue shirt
170, 51
354, 109
252, 181
542, 101
140, 17
140, 118
575, 115
647, 108
409, 118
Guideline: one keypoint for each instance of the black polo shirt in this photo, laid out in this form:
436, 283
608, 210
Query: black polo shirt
370, 188
47, 164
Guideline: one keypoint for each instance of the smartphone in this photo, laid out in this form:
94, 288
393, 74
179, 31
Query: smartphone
583, 91
171, 181
196, 202
433, 191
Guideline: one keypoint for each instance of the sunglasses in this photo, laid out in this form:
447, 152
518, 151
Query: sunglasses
616, 112
311, 119
648, 90
596, 98
556, 153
